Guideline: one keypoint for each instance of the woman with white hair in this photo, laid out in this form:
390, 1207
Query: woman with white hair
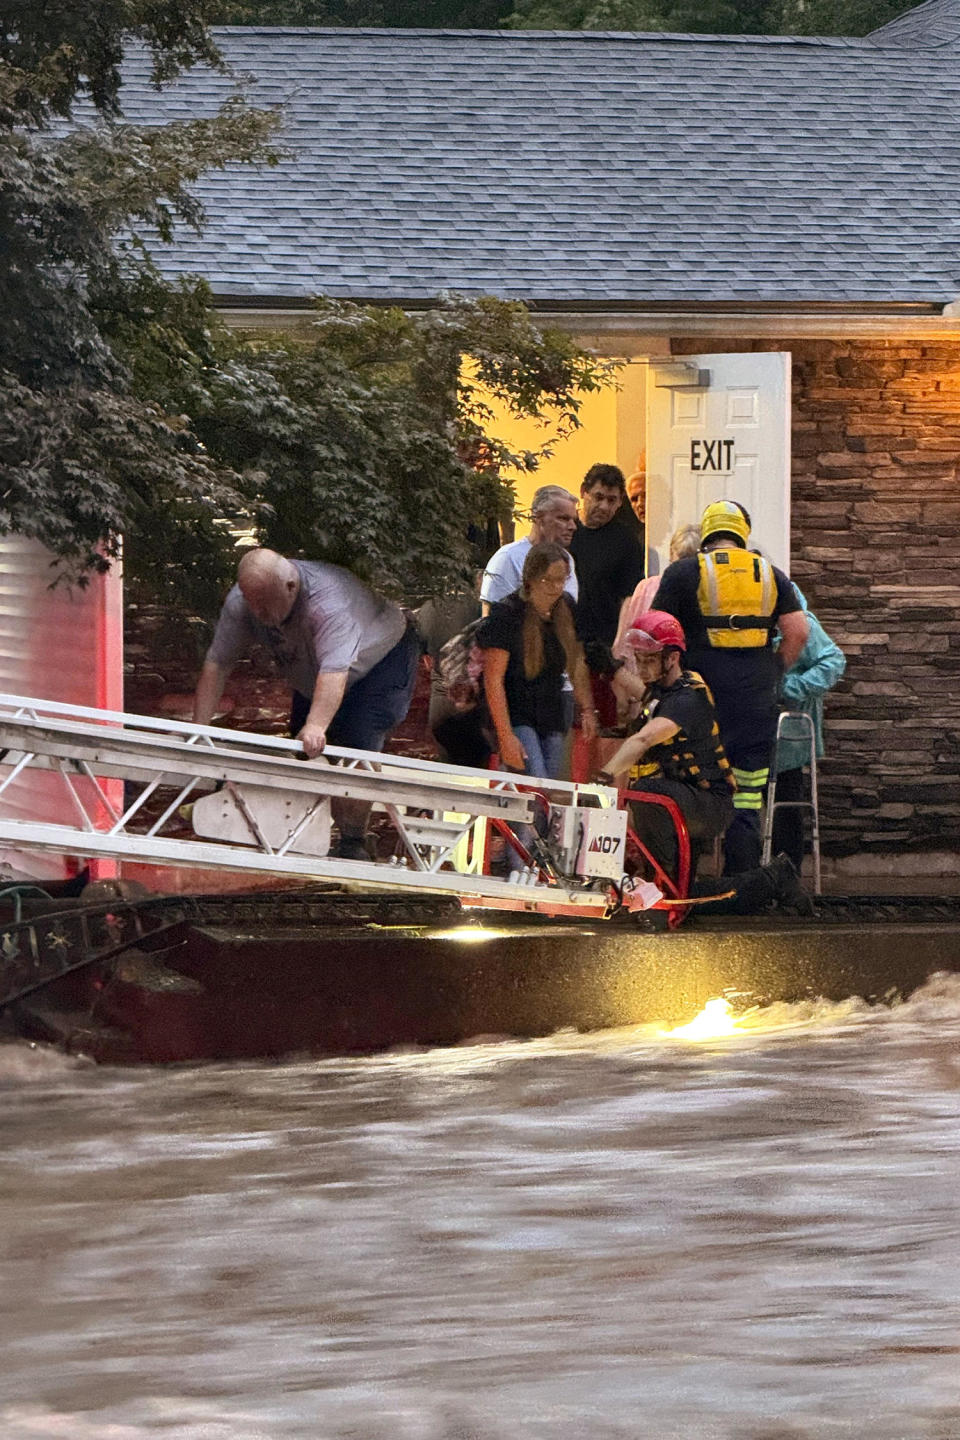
685, 541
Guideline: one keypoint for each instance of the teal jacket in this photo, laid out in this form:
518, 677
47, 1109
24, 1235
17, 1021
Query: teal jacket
818, 668
820, 665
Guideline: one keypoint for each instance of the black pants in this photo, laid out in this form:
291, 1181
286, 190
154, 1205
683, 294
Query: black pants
707, 816
743, 842
748, 727
462, 738
373, 706
753, 892
788, 824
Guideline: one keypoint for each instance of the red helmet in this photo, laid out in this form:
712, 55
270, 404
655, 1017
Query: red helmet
654, 631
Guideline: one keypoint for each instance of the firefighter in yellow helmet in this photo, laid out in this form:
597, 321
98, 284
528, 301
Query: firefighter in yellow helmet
731, 602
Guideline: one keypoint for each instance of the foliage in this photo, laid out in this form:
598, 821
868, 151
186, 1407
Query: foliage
50, 53
403, 14
711, 17
126, 408
86, 456
364, 443
83, 457
838, 17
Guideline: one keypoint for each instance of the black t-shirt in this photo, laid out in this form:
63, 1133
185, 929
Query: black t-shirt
743, 679
695, 755
610, 566
535, 702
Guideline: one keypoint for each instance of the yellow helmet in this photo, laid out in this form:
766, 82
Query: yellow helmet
726, 517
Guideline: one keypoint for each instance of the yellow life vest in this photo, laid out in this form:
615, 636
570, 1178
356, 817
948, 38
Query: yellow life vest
737, 594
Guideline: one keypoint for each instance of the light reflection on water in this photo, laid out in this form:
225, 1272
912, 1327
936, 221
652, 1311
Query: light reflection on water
614, 1235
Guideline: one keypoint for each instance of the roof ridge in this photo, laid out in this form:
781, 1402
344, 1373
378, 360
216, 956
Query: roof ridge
915, 22
638, 36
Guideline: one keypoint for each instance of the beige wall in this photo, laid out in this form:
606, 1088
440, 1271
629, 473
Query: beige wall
612, 430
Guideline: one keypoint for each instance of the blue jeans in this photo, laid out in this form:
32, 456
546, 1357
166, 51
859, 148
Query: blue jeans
544, 752
375, 705
544, 759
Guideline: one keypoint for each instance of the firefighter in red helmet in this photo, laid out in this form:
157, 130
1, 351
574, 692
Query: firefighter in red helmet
676, 751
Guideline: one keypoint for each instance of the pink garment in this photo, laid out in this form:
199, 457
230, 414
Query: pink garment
636, 604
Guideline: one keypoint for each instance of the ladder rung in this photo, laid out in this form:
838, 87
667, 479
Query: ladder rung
433, 832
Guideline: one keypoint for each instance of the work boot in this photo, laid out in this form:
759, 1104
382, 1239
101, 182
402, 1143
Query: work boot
350, 847
788, 890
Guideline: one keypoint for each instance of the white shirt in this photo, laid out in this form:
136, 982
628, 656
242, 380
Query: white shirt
504, 572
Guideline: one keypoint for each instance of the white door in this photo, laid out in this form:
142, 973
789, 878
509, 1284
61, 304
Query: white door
718, 428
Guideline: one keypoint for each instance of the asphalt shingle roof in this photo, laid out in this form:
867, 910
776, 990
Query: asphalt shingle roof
582, 167
937, 22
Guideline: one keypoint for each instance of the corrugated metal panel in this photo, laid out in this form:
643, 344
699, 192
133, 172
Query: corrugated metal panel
55, 644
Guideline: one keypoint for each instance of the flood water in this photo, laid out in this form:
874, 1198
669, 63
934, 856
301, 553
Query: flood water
616, 1235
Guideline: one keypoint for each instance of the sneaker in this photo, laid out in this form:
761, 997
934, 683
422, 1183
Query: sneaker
788, 889
350, 847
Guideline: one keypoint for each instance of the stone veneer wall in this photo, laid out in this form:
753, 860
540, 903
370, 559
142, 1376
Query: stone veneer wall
876, 549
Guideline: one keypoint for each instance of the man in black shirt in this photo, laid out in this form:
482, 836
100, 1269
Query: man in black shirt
610, 564
609, 560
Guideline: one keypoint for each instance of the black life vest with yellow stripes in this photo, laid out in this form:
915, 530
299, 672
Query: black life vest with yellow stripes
698, 759
737, 594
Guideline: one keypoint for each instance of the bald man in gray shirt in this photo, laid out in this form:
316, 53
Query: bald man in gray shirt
349, 656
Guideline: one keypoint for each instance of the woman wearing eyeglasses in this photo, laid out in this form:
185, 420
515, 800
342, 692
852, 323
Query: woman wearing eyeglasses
529, 644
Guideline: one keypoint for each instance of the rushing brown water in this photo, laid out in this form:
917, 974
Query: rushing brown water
616, 1235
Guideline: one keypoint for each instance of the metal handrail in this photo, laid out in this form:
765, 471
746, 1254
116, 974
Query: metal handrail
805, 723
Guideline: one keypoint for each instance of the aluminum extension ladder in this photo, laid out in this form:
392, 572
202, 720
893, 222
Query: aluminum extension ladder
796, 726
257, 807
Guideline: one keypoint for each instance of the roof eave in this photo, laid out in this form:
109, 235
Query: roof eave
733, 318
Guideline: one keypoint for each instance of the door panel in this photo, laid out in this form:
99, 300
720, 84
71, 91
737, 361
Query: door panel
728, 439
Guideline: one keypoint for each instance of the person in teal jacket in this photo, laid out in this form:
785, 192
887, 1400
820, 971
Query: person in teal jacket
818, 668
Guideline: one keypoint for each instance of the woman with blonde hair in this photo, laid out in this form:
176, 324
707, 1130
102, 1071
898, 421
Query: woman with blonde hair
685, 541
529, 643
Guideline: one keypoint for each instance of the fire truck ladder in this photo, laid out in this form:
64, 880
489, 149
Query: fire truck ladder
255, 804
